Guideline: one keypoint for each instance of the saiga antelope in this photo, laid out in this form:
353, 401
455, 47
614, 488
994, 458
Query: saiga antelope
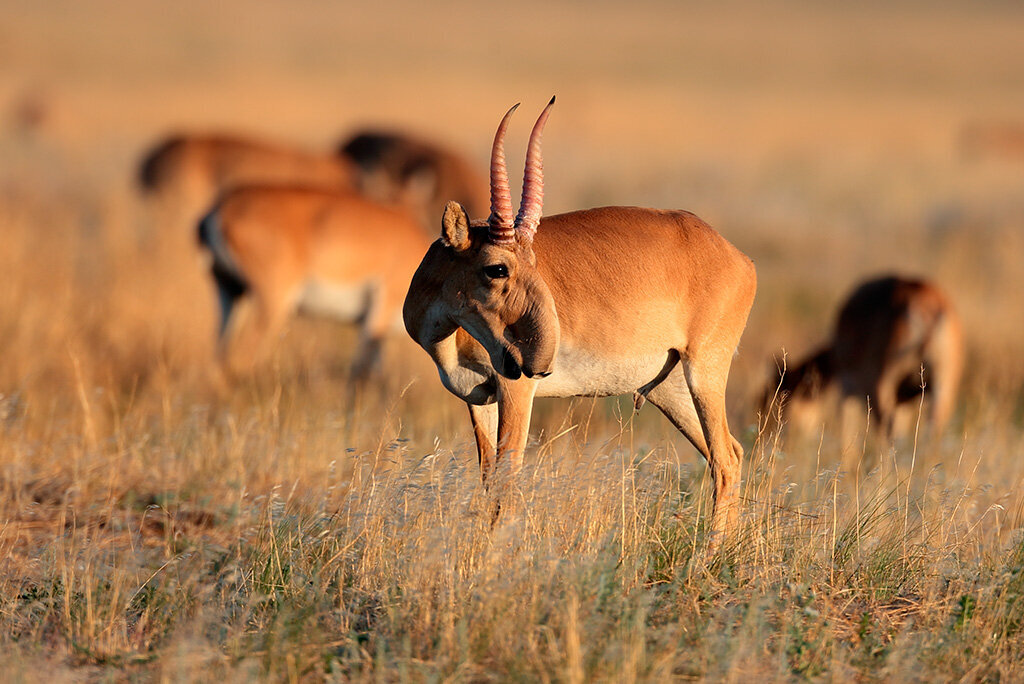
887, 331
591, 303
320, 251
189, 171
402, 169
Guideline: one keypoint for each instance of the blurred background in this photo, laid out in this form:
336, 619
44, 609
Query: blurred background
829, 141
826, 141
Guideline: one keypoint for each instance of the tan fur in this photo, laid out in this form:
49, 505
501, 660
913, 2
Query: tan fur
996, 140
422, 175
886, 332
330, 252
604, 301
191, 170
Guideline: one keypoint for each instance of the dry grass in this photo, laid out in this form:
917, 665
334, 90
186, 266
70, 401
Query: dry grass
154, 526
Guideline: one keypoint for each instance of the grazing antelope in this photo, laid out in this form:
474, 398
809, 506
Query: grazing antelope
319, 251
191, 170
597, 302
401, 169
886, 332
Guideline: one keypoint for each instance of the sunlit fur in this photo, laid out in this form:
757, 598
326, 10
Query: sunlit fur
188, 171
604, 301
324, 252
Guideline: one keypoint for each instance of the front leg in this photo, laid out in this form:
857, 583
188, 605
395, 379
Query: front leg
485, 429
515, 406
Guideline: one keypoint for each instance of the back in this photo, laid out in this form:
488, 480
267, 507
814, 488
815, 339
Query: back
235, 161
202, 164
337, 234
658, 268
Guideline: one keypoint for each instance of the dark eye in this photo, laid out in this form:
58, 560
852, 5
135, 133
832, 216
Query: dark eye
496, 271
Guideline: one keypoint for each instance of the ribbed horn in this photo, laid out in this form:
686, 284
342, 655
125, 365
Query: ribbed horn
501, 228
533, 180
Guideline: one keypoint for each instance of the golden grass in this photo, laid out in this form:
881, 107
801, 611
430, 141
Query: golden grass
155, 526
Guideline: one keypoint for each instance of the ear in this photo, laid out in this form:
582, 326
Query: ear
455, 227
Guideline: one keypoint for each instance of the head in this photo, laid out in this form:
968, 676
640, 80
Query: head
483, 277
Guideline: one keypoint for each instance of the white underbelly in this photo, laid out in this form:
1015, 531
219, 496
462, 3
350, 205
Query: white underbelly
584, 373
345, 302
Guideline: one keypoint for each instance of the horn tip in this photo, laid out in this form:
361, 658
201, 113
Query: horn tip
552, 101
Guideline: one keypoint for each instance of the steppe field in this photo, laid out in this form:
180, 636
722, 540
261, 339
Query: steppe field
156, 524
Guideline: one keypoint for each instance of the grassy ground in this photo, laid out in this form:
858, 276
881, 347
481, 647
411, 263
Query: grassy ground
154, 526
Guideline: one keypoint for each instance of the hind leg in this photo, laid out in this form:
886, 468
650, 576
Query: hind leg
706, 379
672, 397
700, 415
